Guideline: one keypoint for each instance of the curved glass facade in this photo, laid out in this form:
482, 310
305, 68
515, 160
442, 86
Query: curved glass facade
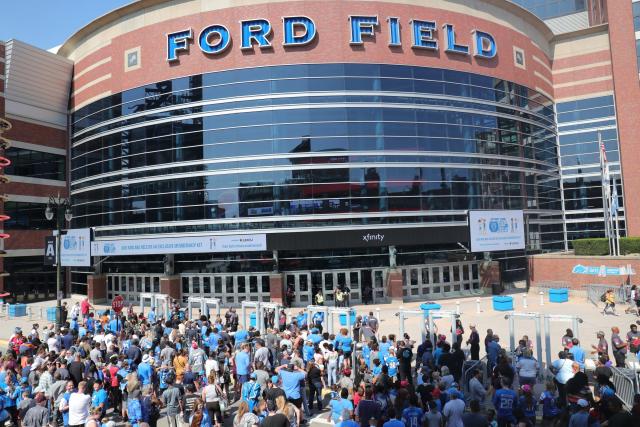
312, 145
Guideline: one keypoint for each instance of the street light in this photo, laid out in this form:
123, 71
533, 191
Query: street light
60, 209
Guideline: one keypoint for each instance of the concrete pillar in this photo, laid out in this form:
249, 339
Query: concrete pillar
170, 285
276, 288
97, 288
394, 286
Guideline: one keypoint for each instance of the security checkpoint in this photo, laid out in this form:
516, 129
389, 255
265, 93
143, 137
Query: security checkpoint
512, 317
324, 310
442, 314
154, 301
258, 308
205, 305
548, 318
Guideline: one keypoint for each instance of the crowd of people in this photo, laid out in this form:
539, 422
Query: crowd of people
103, 368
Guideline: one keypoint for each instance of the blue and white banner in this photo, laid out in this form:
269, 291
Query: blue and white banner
603, 270
180, 245
75, 247
496, 230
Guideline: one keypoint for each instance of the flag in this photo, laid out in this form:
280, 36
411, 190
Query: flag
614, 201
604, 165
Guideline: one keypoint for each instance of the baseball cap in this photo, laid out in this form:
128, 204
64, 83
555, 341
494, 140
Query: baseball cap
253, 376
275, 379
526, 388
583, 403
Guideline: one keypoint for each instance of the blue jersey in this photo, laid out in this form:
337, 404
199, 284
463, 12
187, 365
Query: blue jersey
307, 353
383, 350
392, 364
318, 318
505, 401
412, 416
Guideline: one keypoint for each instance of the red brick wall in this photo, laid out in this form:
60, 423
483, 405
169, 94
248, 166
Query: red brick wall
557, 268
627, 92
37, 134
2, 186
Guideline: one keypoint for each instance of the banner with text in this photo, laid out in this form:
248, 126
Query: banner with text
496, 230
75, 247
180, 245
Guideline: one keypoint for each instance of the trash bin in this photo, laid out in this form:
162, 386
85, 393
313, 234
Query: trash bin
559, 295
343, 318
51, 314
502, 303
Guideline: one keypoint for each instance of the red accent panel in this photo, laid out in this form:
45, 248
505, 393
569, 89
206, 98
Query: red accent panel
627, 92
331, 44
37, 190
583, 90
37, 134
578, 60
587, 73
26, 239
554, 268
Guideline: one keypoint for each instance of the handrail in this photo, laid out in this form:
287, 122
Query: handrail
625, 385
477, 364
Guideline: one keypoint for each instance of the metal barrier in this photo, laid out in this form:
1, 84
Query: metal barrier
468, 367
625, 382
595, 291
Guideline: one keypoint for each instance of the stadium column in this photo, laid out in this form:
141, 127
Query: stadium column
276, 288
97, 288
394, 286
170, 285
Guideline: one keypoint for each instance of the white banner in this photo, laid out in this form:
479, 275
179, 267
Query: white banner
75, 247
180, 245
496, 230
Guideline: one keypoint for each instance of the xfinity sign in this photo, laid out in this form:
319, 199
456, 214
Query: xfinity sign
301, 30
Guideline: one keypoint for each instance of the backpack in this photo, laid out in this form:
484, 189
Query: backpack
550, 406
603, 297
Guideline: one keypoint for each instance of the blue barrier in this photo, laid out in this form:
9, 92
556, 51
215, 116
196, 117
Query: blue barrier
252, 320
51, 314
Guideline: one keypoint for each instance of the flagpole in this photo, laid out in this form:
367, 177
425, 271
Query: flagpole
614, 207
603, 184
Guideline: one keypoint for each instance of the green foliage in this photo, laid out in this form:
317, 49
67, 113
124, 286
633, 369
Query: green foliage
591, 246
628, 245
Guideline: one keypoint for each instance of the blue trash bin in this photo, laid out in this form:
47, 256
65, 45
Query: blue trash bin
559, 295
502, 303
51, 314
252, 320
343, 318
429, 306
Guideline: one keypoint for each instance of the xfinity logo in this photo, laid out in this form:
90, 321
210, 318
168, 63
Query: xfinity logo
373, 237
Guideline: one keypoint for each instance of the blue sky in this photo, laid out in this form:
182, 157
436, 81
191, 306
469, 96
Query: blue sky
48, 23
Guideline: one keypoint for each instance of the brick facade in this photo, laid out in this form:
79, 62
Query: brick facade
558, 267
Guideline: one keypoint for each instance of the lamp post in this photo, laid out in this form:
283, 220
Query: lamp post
60, 209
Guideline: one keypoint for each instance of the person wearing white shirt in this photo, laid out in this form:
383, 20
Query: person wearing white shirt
79, 404
453, 411
53, 344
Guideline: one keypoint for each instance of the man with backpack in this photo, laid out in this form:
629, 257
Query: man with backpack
251, 391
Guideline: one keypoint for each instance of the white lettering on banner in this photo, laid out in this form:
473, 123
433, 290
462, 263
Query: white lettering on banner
496, 230
180, 245
75, 248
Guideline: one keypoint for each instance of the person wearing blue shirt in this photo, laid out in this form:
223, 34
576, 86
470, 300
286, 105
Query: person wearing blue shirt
145, 370
134, 411
318, 319
91, 324
341, 407
578, 352
412, 416
343, 342
151, 317
115, 324
505, 401
392, 363
291, 377
314, 336
394, 419
242, 364
383, 348
493, 349
213, 339
307, 351
240, 336
377, 367
99, 398
302, 319
366, 353
251, 392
